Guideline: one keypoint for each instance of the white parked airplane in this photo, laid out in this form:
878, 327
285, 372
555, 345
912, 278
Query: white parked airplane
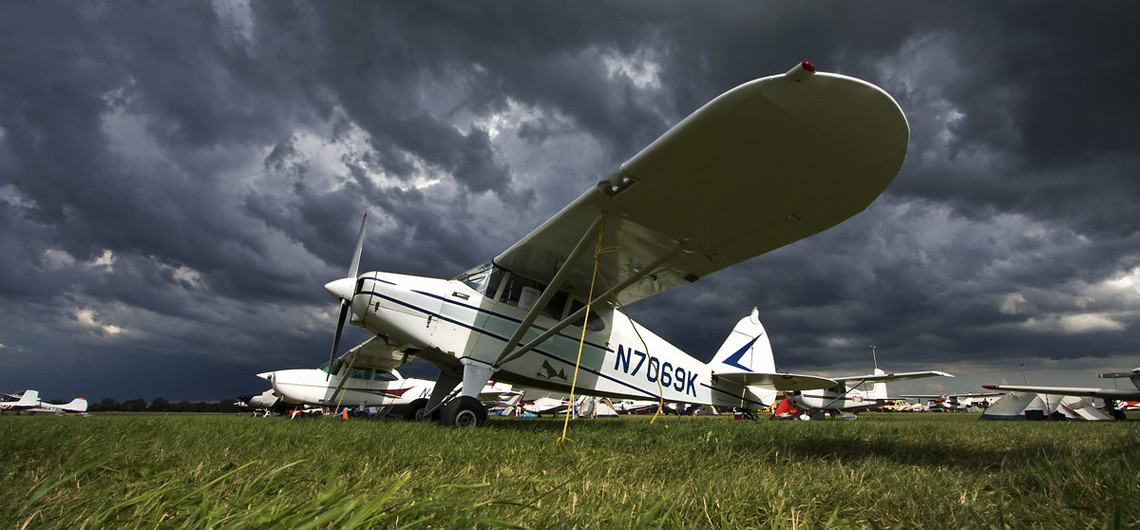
856, 392
763, 165
1103, 393
1109, 395
961, 401
360, 378
29, 401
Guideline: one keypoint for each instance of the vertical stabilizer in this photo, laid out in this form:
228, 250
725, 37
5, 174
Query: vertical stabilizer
879, 390
746, 349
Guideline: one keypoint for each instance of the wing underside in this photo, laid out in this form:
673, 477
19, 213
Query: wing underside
783, 382
1103, 393
768, 163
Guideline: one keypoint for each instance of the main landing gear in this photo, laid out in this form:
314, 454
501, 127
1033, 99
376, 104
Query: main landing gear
463, 411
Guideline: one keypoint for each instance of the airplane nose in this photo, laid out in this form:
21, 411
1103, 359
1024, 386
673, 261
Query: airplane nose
341, 289
268, 376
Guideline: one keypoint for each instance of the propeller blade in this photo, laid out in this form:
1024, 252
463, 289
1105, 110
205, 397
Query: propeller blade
344, 306
355, 266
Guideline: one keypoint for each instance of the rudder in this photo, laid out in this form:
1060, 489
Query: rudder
746, 349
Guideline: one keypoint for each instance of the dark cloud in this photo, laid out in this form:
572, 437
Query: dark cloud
177, 180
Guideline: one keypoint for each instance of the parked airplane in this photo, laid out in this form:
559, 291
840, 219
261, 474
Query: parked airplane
960, 401
360, 378
1109, 395
29, 401
852, 392
763, 165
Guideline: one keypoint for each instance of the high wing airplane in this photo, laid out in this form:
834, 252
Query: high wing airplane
363, 378
852, 392
960, 401
29, 401
763, 165
1107, 394
266, 402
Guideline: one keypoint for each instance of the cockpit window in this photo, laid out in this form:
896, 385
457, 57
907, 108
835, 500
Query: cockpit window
477, 278
336, 365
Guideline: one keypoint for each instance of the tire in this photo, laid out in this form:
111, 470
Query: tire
464, 412
414, 411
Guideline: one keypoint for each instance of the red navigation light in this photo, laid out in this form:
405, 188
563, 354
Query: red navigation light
808, 66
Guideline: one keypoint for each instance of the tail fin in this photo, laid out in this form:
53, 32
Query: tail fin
29, 398
746, 349
76, 405
878, 390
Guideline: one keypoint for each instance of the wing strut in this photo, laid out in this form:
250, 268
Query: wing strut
602, 298
548, 293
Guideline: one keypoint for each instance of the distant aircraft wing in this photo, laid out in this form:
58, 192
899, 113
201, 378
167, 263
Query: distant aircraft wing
763, 165
374, 353
783, 382
897, 376
1103, 393
940, 396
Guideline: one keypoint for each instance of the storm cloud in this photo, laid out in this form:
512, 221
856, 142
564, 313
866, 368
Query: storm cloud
179, 179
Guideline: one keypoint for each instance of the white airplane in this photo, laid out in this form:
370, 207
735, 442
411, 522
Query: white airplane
1109, 395
29, 401
360, 379
763, 165
852, 392
546, 405
961, 401
266, 402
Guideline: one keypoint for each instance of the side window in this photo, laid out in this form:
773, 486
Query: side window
556, 305
385, 376
594, 322
362, 373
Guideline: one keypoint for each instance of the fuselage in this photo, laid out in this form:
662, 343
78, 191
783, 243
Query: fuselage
473, 317
831, 399
364, 388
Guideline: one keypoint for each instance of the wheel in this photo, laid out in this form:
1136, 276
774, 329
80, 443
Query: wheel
416, 411
464, 411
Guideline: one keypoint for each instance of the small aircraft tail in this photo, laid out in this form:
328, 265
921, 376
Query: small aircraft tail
746, 349
878, 390
76, 405
29, 398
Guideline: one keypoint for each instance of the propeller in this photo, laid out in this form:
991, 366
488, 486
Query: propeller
344, 289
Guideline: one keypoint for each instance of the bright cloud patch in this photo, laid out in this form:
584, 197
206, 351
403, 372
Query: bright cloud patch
87, 318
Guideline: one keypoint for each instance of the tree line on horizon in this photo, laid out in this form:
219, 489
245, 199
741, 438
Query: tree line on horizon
162, 405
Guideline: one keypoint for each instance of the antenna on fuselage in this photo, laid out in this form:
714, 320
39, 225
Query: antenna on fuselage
874, 357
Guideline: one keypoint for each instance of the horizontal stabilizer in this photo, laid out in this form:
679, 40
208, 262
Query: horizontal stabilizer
783, 382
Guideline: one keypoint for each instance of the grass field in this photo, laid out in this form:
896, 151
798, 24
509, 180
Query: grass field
884, 470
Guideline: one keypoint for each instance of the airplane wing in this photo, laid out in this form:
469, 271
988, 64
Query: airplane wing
783, 382
897, 376
1103, 393
763, 165
374, 353
964, 395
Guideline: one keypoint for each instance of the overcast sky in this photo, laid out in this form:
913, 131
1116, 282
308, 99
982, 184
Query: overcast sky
178, 180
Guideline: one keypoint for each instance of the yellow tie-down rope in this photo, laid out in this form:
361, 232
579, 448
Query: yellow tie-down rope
599, 251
